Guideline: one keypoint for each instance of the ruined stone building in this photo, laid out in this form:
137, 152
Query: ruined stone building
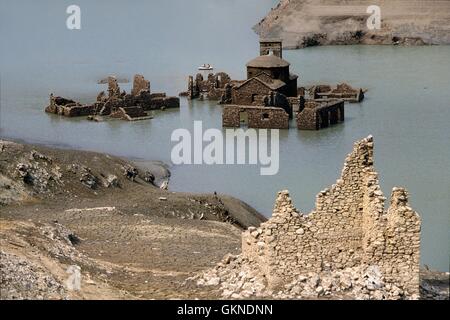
265, 74
257, 117
67, 107
215, 87
348, 228
116, 103
341, 91
270, 84
314, 115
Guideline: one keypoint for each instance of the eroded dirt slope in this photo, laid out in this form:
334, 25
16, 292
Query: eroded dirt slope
302, 23
63, 209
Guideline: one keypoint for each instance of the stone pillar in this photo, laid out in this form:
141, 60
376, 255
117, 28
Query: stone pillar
401, 256
324, 120
334, 118
113, 87
341, 112
139, 83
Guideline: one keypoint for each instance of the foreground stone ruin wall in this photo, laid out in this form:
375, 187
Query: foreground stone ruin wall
348, 228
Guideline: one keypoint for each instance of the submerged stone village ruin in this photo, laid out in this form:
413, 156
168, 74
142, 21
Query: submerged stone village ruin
269, 97
349, 246
136, 105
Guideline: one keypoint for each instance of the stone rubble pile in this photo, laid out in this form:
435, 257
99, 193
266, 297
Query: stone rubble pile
34, 274
238, 278
22, 279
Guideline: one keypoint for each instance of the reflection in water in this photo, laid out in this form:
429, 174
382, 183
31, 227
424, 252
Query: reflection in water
406, 108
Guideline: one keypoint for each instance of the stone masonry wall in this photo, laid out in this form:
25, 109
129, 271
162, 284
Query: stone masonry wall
243, 95
258, 117
348, 228
140, 83
214, 86
316, 115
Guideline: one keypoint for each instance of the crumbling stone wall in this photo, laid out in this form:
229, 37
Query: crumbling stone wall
113, 88
67, 107
140, 83
348, 228
130, 113
297, 103
279, 100
133, 105
248, 93
400, 255
214, 86
227, 94
314, 115
341, 91
258, 117
221, 79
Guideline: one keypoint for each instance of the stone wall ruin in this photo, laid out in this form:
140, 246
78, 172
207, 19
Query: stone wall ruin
213, 87
341, 91
315, 115
349, 227
139, 84
255, 117
349, 246
117, 103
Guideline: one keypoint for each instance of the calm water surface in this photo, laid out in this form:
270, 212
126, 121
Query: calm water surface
407, 106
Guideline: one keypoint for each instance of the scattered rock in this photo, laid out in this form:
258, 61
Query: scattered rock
88, 179
130, 172
164, 185
22, 279
111, 181
149, 177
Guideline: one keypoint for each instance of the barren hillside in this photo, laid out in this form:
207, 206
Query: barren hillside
302, 23
66, 209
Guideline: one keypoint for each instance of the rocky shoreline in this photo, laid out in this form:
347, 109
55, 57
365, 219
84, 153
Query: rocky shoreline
109, 217
303, 23
66, 210
53, 177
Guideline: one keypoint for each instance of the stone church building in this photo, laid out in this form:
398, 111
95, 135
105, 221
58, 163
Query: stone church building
266, 75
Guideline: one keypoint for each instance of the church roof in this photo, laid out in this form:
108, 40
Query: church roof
268, 61
274, 85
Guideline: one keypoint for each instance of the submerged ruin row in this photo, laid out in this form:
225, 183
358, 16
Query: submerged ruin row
271, 85
136, 105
